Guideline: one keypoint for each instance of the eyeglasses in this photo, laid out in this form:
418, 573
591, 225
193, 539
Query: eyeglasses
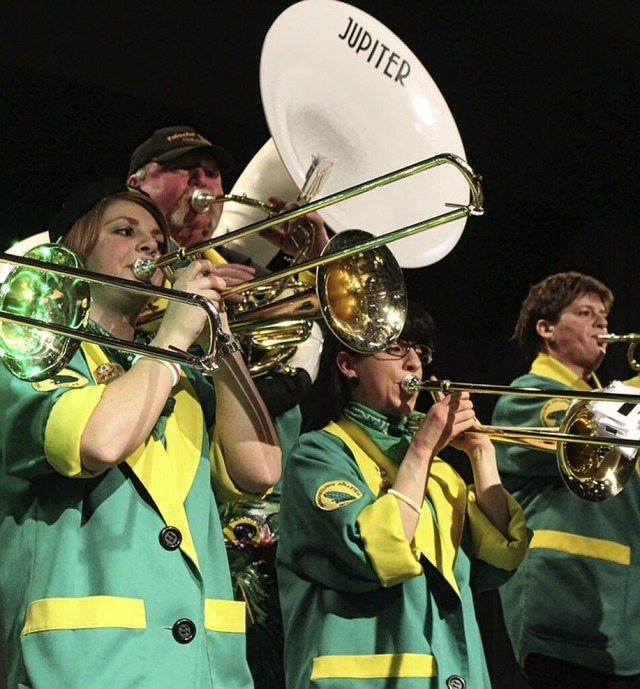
400, 348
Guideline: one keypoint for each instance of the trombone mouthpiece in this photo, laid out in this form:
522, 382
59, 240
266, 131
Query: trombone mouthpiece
144, 268
411, 383
201, 200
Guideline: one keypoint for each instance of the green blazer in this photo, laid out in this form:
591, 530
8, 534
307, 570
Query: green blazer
576, 595
120, 579
363, 606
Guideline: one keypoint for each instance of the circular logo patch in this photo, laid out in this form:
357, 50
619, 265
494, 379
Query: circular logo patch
335, 494
553, 411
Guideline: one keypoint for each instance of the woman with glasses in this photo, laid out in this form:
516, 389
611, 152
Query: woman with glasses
382, 545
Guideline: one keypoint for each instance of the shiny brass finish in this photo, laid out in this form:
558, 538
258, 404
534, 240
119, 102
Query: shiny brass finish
632, 339
49, 282
146, 268
362, 298
591, 464
341, 284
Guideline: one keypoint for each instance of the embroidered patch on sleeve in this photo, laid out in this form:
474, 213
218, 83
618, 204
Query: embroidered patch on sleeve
63, 379
553, 411
334, 494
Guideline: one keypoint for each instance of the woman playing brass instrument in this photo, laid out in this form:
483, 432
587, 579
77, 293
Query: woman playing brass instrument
381, 542
113, 568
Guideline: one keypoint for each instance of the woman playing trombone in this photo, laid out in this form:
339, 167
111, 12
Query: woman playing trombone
381, 542
113, 570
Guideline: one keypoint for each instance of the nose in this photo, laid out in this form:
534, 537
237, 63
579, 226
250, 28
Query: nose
149, 245
412, 360
601, 320
197, 176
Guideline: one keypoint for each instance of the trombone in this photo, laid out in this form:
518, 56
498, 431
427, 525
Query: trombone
361, 319
145, 268
54, 337
632, 339
358, 285
593, 474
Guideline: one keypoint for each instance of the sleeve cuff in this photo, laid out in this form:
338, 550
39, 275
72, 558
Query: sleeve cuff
67, 421
491, 546
394, 559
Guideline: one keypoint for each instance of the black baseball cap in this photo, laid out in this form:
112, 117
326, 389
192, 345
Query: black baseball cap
171, 142
83, 199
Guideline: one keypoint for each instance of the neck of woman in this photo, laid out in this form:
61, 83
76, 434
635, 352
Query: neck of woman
118, 324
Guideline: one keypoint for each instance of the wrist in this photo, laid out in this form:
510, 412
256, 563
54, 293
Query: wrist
171, 366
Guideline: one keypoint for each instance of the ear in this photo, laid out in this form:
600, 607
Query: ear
545, 330
132, 181
346, 364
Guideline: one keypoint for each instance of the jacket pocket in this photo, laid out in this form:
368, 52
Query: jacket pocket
91, 612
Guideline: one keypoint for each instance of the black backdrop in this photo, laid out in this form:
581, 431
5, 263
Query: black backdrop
545, 95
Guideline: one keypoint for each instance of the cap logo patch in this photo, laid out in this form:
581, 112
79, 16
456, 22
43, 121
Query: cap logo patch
334, 494
63, 379
189, 137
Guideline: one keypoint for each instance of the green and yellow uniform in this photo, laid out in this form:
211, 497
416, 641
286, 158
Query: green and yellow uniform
364, 607
118, 579
576, 596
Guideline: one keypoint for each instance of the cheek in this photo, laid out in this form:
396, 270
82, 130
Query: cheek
94, 263
166, 193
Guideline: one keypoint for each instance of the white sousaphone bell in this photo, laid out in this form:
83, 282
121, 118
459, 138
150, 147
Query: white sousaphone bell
336, 82
342, 99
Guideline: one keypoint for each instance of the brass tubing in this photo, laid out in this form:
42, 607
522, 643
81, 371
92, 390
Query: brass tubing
474, 208
414, 384
205, 363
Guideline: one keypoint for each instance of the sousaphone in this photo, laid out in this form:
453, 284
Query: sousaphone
328, 90
335, 82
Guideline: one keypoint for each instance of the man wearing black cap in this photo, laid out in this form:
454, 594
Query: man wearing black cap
174, 162
170, 166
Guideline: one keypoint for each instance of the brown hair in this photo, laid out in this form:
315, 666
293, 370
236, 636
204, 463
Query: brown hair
547, 299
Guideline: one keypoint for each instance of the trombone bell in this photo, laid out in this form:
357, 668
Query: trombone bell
361, 297
33, 353
594, 462
592, 472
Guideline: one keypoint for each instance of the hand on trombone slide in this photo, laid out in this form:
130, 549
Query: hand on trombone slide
462, 438
184, 324
291, 237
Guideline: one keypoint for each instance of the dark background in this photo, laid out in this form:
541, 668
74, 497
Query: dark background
545, 95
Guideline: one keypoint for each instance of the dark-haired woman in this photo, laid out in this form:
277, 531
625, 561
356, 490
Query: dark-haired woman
381, 543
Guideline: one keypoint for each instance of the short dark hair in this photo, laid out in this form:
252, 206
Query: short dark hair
546, 299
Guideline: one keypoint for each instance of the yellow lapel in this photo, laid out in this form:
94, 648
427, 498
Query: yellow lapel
437, 539
548, 367
168, 473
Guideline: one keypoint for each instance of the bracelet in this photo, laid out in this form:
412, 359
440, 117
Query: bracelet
173, 367
406, 499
